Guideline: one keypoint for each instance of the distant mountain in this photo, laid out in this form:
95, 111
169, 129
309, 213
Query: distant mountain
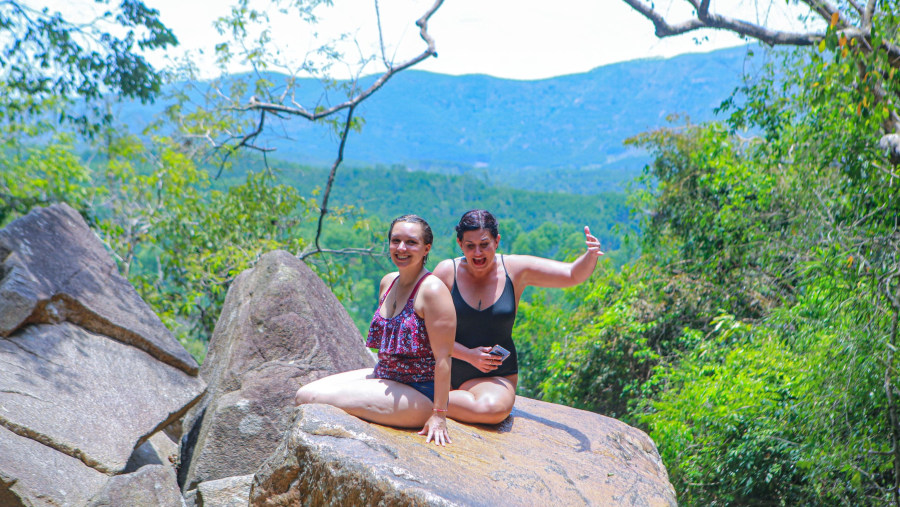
563, 133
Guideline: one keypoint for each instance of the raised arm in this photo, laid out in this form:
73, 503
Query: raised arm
542, 272
440, 321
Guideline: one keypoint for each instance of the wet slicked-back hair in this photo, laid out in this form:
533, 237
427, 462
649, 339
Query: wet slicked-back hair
427, 235
477, 219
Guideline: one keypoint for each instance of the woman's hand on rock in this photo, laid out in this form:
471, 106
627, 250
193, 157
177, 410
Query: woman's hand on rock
436, 429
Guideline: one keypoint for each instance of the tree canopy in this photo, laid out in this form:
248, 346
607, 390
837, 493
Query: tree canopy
45, 55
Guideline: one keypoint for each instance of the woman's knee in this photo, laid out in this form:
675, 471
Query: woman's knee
305, 395
493, 409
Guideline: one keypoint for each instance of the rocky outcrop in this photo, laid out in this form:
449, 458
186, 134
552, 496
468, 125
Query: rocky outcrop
92, 386
280, 328
89, 372
32, 473
543, 454
85, 395
56, 270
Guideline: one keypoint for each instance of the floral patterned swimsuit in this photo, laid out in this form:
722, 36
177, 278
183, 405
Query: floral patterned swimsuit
404, 352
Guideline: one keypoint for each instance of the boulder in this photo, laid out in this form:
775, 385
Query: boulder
228, 492
32, 474
54, 269
89, 372
159, 449
543, 454
87, 396
152, 485
280, 327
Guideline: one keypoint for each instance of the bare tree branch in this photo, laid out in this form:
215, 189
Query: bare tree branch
706, 19
868, 15
342, 251
245, 142
337, 162
298, 110
856, 6
384, 59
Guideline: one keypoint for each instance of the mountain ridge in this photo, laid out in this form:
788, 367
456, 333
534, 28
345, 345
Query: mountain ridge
563, 133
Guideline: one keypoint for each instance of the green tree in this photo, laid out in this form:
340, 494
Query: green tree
45, 56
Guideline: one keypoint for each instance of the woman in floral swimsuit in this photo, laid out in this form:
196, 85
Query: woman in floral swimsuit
413, 329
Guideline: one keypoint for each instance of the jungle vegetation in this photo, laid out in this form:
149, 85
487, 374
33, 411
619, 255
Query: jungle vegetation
747, 317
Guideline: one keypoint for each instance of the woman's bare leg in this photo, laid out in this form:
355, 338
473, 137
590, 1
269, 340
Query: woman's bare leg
487, 400
377, 400
338, 378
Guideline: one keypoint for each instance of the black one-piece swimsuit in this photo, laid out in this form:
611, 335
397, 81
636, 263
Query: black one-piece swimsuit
484, 328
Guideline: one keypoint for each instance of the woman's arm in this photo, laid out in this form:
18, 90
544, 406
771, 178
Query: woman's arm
440, 321
542, 272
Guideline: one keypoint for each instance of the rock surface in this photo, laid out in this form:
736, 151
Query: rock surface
33, 474
228, 492
86, 395
152, 485
280, 327
544, 454
88, 370
54, 269
159, 449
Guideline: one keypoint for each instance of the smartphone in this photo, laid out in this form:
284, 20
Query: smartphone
497, 350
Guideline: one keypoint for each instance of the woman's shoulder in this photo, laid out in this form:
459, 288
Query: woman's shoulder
444, 271
387, 279
433, 293
434, 283
445, 265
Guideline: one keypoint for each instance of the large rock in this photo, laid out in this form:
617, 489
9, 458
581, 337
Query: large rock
32, 474
544, 454
88, 370
152, 485
55, 269
87, 396
280, 328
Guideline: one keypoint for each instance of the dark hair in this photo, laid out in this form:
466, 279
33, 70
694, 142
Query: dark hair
427, 235
476, 219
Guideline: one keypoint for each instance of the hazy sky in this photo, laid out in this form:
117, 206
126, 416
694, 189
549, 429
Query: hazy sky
519, 39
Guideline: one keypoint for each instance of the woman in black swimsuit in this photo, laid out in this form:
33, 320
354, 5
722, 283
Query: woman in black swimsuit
486, 289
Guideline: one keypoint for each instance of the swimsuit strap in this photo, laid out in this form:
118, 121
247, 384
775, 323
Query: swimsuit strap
391, 286
412, 295
454, 270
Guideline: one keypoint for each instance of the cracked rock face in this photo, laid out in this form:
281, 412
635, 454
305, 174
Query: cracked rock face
55, 269
280, 328
87, 370
543, 454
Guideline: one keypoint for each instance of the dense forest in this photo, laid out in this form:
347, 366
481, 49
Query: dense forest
747, 317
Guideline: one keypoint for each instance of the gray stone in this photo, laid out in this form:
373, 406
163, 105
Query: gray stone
54, 269
151, 486
543, 454
32, 474
87, 396
159, 449
280, 328
227, 492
